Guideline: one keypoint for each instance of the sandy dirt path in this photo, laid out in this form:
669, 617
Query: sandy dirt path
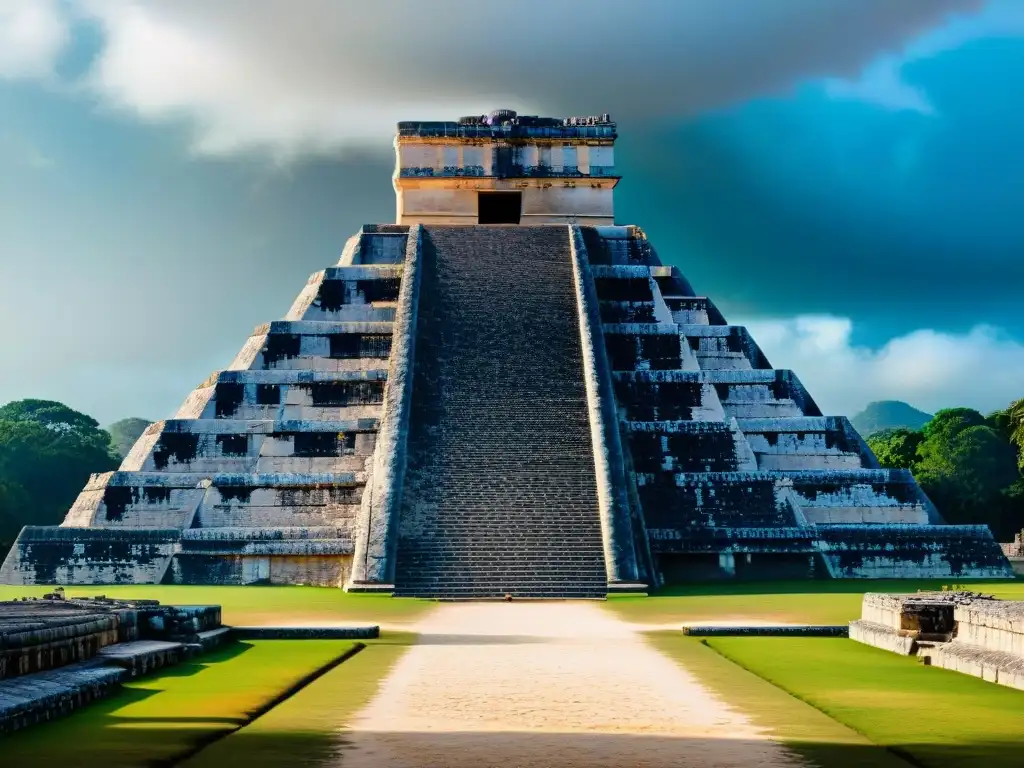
525, 685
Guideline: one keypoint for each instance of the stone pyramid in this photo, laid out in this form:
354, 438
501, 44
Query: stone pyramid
505, 393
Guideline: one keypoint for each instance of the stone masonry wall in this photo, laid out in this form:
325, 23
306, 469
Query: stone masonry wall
500, 492
961, 631
730, 456
278, 443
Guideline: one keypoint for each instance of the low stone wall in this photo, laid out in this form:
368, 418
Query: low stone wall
794, 631
994, 666
960, 631
881, 636
329, 570
375, 540
305, 633
923, 615
144, 656
1014, 552
58, 555
33, 643
912, 551
183, 622
994, 624
58, 654
36, 635
882, 609
52, 694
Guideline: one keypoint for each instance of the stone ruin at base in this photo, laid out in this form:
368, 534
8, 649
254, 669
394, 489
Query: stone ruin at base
58, 654
1014, 552
503, 393
963, 631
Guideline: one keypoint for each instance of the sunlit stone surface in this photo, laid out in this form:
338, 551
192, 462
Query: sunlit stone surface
504, 393
963, 631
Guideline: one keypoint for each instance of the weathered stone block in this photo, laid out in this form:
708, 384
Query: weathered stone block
532, 372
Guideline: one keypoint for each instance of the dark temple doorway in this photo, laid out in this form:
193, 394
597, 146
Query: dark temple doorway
499, 207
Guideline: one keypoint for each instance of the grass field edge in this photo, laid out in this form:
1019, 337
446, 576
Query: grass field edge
275, 701
896, 752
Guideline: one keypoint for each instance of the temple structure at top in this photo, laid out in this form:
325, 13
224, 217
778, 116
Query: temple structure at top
502, 393
503, 168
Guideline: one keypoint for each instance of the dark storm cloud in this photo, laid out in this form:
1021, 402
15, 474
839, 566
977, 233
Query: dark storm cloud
810, 205
313, 75
777, 207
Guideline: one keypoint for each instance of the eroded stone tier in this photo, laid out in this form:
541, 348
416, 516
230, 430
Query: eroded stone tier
735, 469
260, 475
59, 654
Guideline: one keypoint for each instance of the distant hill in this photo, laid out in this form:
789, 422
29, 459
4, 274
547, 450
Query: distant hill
124, 433
889, 414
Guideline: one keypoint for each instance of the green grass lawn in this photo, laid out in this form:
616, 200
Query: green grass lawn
158, 718
808, 602
934, 717
261, 605
795, 723
304, 729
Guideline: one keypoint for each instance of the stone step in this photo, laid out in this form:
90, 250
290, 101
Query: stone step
212, 638
193, 480
472, 541
297, 376
508, 581
566, 545
526, 580
500, 489
511, 584
266, 426
552, 537
43, 696
268, 533
535, 560
490, 563
497, 591
694, 310
140, 657
523, 577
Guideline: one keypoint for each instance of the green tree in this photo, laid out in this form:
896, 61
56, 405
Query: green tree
52, 415
124, 433
949, 422
966, 466
1000, 422
13, 505
896, 448
1015, 428
47, 452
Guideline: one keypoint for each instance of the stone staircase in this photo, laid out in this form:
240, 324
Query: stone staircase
500, 494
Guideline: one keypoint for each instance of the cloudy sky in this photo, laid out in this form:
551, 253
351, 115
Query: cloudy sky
846, 177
